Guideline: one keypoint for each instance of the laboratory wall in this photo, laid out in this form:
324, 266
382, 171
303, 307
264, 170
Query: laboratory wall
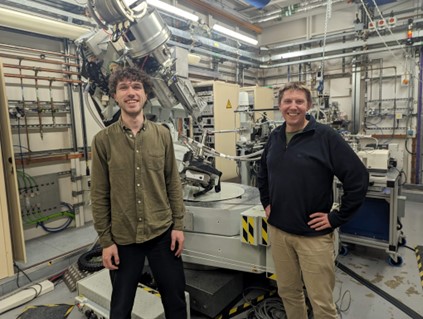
51, 132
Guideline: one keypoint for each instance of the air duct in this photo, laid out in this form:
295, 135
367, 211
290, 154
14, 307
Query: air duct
259, 4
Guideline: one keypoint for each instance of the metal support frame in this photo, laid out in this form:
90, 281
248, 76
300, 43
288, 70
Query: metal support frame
390, 192
356, 98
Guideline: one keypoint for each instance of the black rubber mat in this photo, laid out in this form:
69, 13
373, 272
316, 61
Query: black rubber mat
46, 312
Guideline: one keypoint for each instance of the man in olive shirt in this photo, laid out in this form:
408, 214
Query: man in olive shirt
137, 200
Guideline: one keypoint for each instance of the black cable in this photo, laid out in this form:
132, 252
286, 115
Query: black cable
37, 293
407, 149
339, 308
17, 275
403, 173
269, 308
64, 225
56, 229
20, 146
401, 306
408, 247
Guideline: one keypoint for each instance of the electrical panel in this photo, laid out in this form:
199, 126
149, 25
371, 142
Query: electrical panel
39, 198
207, 115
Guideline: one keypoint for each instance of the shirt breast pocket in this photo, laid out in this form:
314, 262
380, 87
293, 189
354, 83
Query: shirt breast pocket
155, 161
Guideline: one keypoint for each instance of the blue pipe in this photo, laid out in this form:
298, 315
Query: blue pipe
257, 3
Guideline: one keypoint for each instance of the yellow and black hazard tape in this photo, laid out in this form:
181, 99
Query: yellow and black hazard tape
419, 256
264, 232
149, 290
245, 306
248, 229
271, 275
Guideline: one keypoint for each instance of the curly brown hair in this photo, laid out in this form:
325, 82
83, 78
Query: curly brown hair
131, 74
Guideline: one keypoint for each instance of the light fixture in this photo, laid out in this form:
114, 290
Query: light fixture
234, 34
173, 10
289, 55
27, 22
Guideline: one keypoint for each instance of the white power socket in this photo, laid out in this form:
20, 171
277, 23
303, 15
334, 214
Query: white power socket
26, 295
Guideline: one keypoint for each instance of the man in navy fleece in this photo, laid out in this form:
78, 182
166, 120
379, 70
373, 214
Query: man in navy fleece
298, 166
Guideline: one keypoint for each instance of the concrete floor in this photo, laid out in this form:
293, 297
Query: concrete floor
353, 298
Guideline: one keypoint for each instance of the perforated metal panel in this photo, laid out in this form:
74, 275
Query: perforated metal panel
39, 197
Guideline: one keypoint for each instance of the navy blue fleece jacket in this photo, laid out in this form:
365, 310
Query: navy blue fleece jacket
297, 179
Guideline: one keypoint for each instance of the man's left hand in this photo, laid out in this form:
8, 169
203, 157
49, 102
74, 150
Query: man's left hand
319, 221
177, 242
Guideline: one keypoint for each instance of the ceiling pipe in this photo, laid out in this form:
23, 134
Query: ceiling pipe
278, 11
268, 61
198, 40
36, 6
277, 14
329, 57
31, 23
347, 34
210, 54
228, 8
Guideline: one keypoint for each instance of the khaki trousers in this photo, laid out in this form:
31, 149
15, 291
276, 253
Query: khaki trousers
308, 261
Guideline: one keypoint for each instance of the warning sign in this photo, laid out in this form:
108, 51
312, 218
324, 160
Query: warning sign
228, 104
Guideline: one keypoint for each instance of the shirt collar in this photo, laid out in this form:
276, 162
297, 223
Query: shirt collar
145, 126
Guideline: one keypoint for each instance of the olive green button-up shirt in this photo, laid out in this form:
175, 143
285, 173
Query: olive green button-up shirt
136, 192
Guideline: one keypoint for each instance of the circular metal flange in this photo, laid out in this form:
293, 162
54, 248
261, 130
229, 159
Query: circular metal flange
228, 191
115, 11
149, 33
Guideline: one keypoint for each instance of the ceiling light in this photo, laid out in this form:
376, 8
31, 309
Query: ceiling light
173, 10
289, 55
234, 34
27, 22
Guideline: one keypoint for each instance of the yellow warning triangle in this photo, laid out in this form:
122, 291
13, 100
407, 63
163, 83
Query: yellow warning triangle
228, 104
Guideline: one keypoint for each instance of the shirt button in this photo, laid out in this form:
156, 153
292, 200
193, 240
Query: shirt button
139, 202
138, 185
130, 135
138, 168
140, 219
138, 151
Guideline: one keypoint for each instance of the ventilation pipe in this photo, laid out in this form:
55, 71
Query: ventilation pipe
259, 4
291, 10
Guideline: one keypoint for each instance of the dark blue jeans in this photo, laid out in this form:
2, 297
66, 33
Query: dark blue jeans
167, 271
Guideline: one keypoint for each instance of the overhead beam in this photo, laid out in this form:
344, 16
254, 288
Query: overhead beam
34, 7
219, 13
